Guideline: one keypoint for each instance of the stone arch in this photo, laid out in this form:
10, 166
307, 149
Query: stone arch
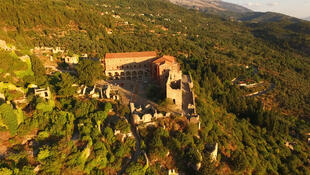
134, 75
140, 77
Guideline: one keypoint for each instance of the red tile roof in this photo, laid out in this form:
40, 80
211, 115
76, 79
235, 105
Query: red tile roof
130, 54
165, 58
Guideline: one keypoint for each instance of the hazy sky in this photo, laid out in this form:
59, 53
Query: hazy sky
297, 8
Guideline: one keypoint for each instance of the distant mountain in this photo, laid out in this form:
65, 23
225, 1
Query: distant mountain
308, 18
214, 6
258, 17
234, 11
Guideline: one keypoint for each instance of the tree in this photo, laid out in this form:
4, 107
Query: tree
109, 135
8, 116
43, 154
65, 87
239, 160
99, 117
192, 155
208, 167
38, 70
89, 72
122, 125
107, 107
5, 171
135, 169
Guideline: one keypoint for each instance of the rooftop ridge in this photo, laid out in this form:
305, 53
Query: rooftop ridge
130, 54
165, 58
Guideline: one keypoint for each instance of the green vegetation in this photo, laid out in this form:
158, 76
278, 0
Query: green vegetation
27, 72
64, 85
76, 135
11, 66
38, 70
8, 118
88, 71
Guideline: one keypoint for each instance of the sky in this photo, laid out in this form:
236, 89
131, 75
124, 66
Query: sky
296, 8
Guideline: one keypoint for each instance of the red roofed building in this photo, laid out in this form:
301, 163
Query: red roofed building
139, 66
131, 55
162, 66
129, 65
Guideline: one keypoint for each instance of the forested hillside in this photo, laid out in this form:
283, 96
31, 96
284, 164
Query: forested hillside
255, 133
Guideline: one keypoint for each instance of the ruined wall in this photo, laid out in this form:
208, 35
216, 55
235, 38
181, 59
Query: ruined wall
145, 115
164, 69
44, 93
174, 88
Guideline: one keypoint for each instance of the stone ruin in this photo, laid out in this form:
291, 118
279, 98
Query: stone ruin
4, 46
174, 88
99, 91
49, 50
214, 153
2, 96
43, 92
172, 172
123, 135
145, 115
72, 60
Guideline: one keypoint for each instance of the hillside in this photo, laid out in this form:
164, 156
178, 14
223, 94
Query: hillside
308, 18
259, 17
211, 5
69, 134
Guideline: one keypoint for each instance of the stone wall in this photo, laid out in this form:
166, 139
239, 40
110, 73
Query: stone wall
44, 93
145, 115
174, 88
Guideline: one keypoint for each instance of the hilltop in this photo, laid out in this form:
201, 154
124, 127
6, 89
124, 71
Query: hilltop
250, 81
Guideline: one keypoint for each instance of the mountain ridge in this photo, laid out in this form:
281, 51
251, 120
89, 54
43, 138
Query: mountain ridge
307, 18
212, 5
233, 11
